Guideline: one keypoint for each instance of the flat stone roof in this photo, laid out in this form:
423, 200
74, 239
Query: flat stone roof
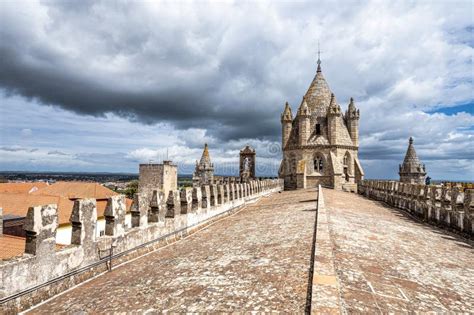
254, 260
369, 258
386, 261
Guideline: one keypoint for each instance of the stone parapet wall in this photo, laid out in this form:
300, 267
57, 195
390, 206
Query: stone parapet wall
45, 270
218, 179
448, 207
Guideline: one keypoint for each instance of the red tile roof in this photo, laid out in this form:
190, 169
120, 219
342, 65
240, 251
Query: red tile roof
17, 204
76, 190
61, 193
11, 246
21, 187
14, 246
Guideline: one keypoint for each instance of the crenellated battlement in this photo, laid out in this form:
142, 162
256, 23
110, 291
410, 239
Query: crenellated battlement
45, 269
448, 207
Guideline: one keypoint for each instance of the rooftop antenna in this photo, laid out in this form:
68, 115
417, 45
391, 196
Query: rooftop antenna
167, 158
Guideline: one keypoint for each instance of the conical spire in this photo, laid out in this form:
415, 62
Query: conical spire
287, 115
205, 158
318, 94
410, 156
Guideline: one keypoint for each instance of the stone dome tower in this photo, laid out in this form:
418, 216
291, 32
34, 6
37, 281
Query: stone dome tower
320, 144
412, 170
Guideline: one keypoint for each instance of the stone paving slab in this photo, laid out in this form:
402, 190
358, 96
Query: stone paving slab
386, 261
254, 260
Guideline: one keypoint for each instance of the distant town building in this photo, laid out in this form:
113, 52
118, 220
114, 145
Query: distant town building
412, 171
204, 171
320, 144
247, 164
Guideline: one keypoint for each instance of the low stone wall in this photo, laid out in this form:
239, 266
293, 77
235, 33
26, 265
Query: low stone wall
46, 270
448, 207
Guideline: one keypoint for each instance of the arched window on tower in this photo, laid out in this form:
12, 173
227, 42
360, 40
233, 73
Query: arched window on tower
318, 129
318, 164
346, 159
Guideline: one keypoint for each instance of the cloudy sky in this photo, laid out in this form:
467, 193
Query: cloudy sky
103, 86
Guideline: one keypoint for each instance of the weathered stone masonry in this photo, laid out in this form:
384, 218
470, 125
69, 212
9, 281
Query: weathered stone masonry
449, 207
45, 270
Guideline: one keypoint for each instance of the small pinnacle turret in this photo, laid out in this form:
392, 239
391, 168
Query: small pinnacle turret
352, 122
204, 171
303, 110
286, 115
351, 104
286, 122
352, 112
303, 123
412, 170
334, 108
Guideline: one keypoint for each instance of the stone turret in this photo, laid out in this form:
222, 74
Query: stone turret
352, 120
286, 120
334, 111
304, 116
204, 172
412, 171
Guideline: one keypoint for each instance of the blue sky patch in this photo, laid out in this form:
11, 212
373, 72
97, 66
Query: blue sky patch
453, 110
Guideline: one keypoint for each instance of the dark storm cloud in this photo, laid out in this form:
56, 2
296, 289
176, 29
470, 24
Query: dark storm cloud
185, 107
154, 86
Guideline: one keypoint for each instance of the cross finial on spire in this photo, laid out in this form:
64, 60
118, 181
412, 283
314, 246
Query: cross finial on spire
319, 58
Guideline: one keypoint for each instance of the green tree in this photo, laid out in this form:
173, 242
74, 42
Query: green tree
132, 189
